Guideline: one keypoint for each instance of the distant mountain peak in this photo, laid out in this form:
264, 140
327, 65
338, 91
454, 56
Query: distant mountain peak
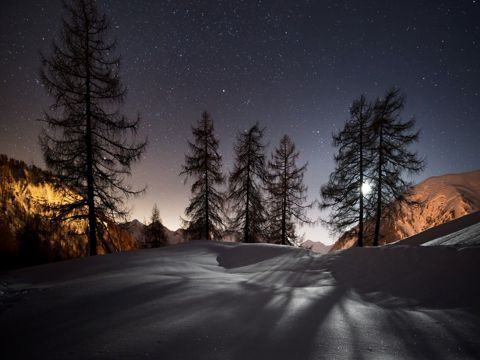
316, 246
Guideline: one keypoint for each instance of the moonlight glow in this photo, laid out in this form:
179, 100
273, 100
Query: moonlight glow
366, 188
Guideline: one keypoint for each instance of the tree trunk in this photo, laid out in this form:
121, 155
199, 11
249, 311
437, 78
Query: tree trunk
246, 235
379, 189
92, 216
360, 216
284, 198
207, 187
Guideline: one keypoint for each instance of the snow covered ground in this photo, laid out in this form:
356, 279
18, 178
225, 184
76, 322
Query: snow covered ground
465, 230
467, 237
208, 300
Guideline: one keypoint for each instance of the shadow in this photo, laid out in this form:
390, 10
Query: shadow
179, 303
430, 277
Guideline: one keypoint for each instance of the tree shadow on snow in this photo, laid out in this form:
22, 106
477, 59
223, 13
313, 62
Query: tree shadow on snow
293, 305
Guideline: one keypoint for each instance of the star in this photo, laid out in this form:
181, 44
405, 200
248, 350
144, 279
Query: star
295, 67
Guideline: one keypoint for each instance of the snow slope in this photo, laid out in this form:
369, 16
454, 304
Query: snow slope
467, 237
458, 225
209, 300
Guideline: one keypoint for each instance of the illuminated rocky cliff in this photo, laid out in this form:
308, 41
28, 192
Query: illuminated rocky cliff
27, 233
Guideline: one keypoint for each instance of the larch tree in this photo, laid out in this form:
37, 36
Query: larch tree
205, 213
287, 193
246, 184
345, 193
87, 142
392, 157
155, 232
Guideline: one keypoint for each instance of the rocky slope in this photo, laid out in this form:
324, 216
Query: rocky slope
27, 235
440, 199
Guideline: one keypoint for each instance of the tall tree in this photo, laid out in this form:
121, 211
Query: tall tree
287, 193
246, 185
392, 158
155, 232
345, 191
87, 141
204, 163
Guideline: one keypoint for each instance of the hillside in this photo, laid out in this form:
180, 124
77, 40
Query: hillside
211, 300
27, 235
440, 199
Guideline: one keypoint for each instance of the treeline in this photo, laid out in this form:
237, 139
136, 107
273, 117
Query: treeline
90, 147
264, 199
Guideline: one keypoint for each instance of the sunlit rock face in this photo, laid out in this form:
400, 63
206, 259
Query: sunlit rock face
440, 199
27, 234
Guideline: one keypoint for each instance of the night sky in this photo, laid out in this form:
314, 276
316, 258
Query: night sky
293, 66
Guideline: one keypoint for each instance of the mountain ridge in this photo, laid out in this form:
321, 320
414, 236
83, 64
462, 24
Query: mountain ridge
136, 229
439, 199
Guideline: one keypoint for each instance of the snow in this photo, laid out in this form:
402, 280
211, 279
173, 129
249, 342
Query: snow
447, 230
467, 237
211, 300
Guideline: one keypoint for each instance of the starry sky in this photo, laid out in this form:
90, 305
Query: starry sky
293, 66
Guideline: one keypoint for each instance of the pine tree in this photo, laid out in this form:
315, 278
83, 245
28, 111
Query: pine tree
204, 163
155, 232
246, 185
392, 158
87, 141
287, 193
344, 193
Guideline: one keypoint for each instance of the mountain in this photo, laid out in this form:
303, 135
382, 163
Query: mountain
440, 199
27, 235
316, 246
137, 230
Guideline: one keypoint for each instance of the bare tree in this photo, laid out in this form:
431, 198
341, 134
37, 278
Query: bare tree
204, 163
287, 193
345, 191
246, 185
87, 142
155, 232
392, 158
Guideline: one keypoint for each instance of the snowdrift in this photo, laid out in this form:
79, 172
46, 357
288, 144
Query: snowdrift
209, 300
